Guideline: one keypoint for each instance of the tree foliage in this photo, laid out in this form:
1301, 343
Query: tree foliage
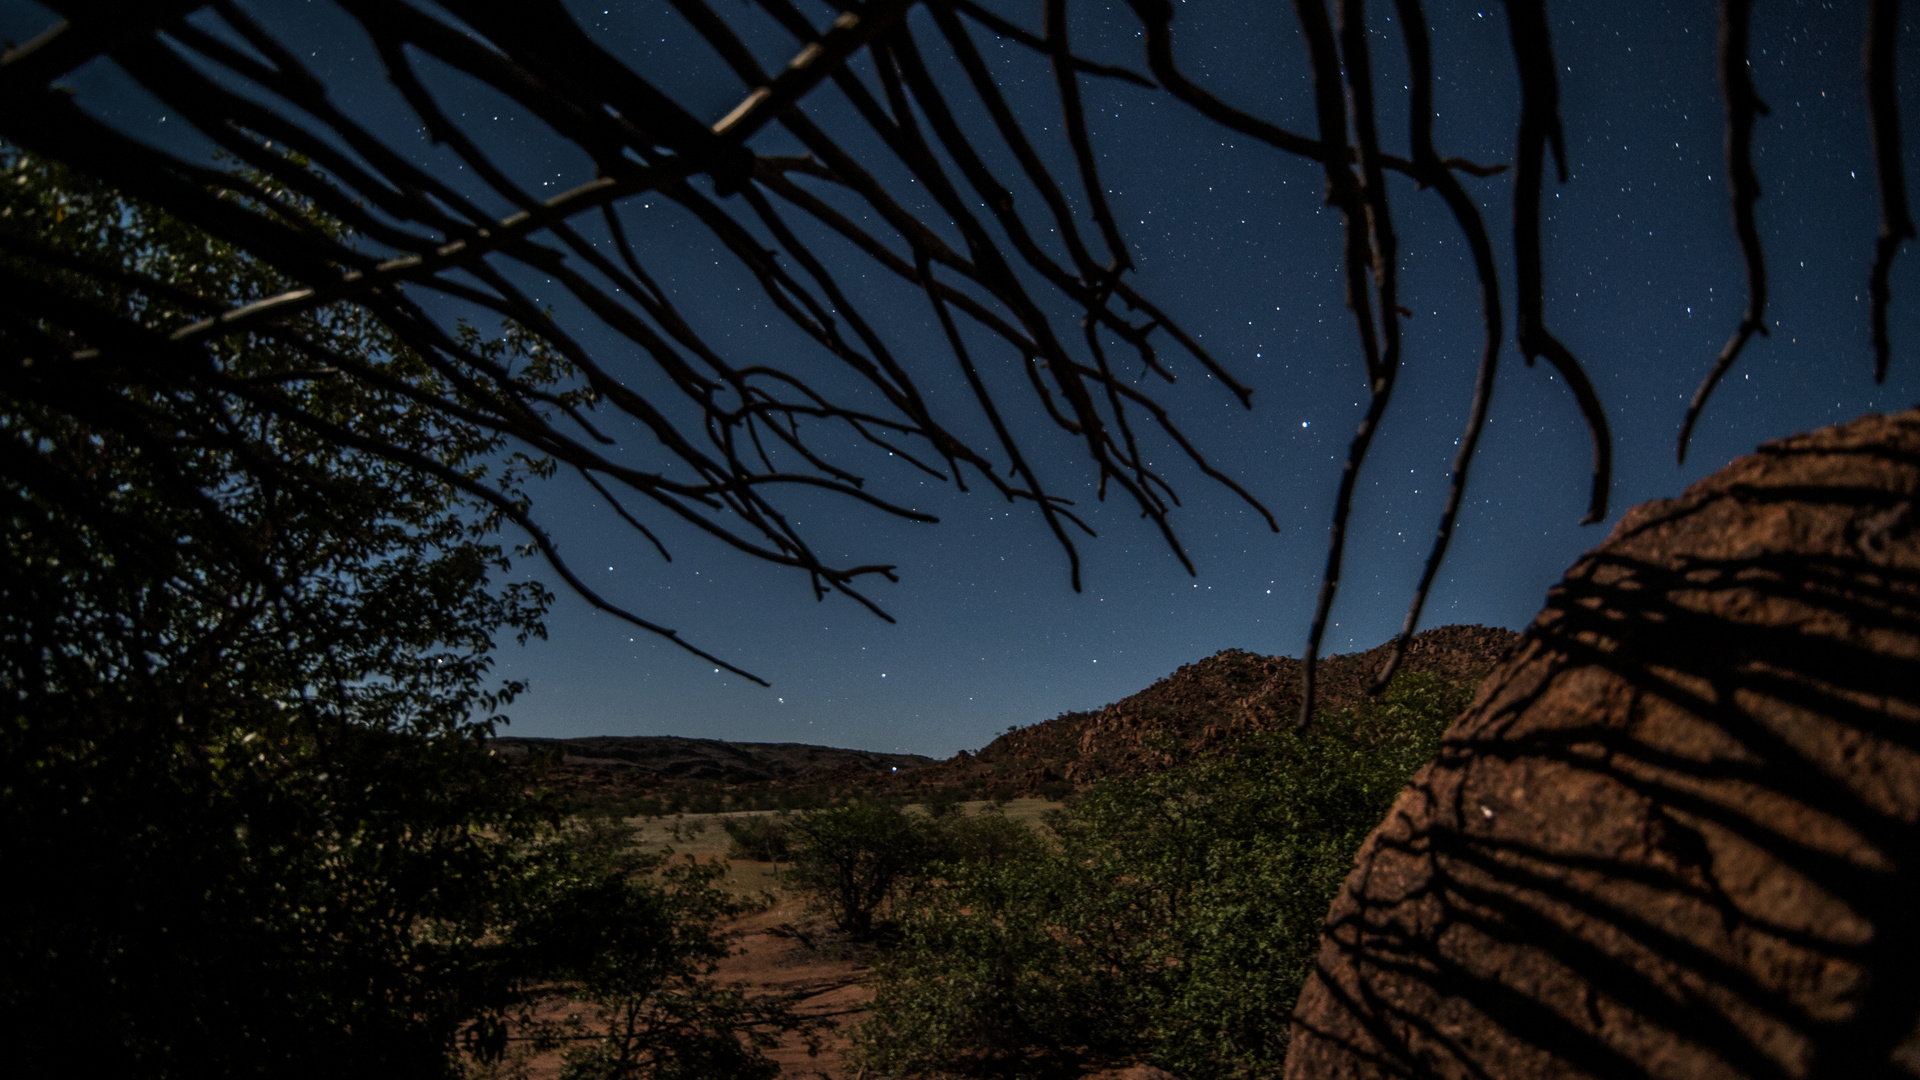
1171, 919
245, 682
851, 858
759, 837
632, 939
247, 809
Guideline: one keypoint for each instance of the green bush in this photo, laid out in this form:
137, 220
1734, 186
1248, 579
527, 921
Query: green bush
245, 686
635, 938
249, 815
851, 858
758, 838
988, 838
943, 801
1172, 922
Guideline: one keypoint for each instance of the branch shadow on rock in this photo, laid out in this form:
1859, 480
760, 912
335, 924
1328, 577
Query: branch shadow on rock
1676, 834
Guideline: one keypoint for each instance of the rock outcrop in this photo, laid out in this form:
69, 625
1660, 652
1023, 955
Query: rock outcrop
1678, 833
1201, 707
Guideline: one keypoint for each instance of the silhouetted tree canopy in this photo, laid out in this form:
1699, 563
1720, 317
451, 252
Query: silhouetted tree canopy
249, 816
732, 434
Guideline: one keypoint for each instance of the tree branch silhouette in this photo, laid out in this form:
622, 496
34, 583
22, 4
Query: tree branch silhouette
919, 165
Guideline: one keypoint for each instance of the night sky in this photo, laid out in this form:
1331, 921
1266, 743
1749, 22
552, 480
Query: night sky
1644, 283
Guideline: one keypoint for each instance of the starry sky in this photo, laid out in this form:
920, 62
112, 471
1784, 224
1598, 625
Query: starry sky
1644, 283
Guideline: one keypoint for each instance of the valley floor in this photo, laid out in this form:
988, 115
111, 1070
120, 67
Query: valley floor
783, 950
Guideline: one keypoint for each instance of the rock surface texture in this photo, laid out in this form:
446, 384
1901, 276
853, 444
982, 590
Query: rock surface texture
1675, 835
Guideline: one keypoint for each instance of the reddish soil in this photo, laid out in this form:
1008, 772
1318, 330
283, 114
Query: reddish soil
784, 954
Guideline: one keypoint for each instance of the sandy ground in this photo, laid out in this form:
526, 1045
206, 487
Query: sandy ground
783, 950
786, 953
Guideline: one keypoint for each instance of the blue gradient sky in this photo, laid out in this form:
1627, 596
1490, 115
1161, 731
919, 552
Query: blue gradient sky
1644, 284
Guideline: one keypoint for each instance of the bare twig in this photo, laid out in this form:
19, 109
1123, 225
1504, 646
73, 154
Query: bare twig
1372, 256
1413, 29
1539, 129
1883, 109
936, 175
1743, 190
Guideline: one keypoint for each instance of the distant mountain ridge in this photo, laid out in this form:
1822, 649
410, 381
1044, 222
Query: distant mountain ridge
655, 759
1199, 707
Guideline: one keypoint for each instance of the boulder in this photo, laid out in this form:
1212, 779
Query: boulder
1676, 833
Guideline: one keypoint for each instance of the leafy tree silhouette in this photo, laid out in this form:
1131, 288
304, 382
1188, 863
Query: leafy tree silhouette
889, 178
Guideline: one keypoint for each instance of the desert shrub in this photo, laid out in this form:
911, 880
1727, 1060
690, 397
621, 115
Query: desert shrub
987, 838
634, 937
851, 858
1173, 921
943, 801
758, 838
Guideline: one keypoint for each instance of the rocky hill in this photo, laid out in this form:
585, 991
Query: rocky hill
1198, 707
